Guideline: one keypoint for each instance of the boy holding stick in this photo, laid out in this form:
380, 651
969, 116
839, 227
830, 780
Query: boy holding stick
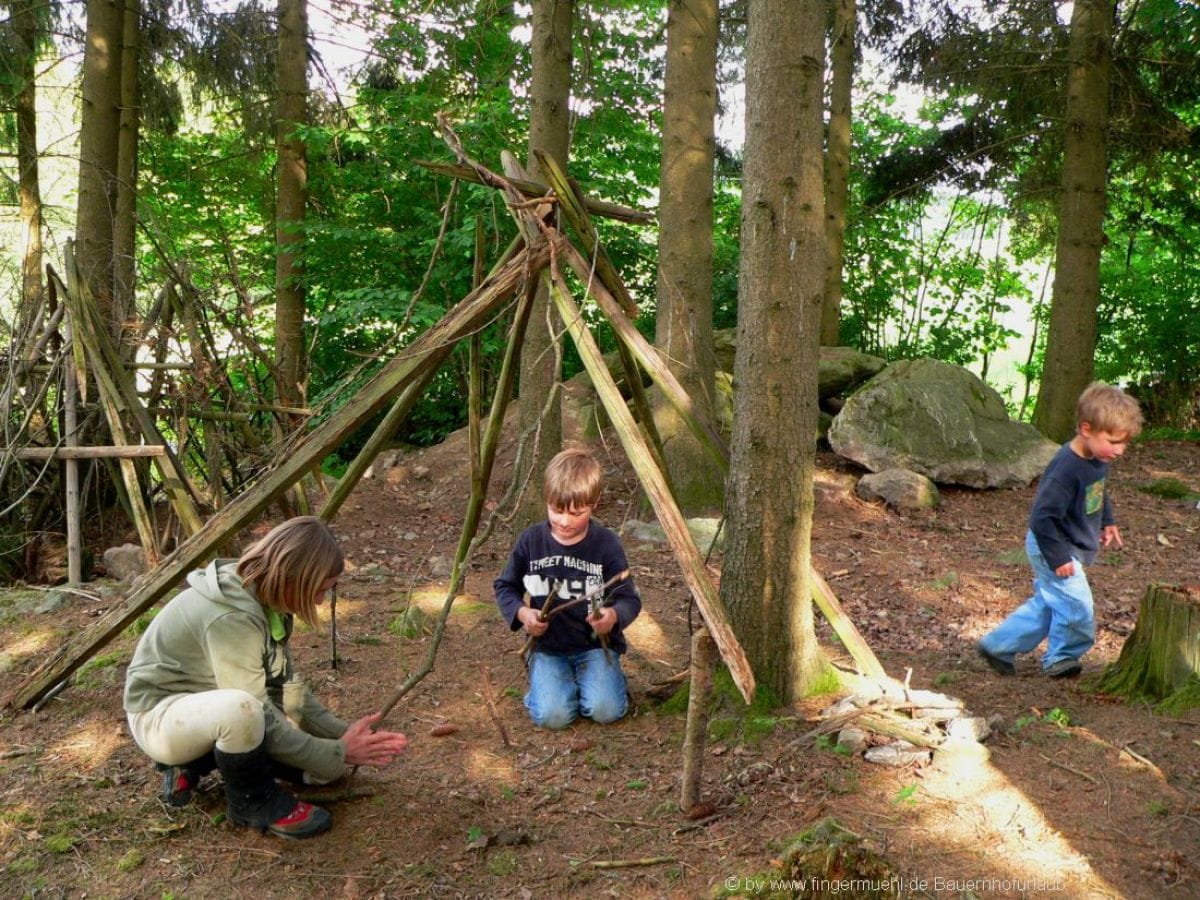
567, 585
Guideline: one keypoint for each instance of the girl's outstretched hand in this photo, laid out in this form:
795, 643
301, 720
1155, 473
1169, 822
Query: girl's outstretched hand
365, 747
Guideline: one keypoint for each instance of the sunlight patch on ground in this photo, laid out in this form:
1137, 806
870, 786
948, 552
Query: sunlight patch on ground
970, 807
29, 644
432, 597
87, 747
489, 766
648, 636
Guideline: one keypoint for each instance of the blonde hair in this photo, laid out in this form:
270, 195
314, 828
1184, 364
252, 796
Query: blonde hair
1110, 409
573, 479
287, 568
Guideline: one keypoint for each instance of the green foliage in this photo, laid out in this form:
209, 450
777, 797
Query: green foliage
825, 742
906, 796
1168, 489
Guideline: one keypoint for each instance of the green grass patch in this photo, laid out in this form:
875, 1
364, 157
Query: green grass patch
1012, 557
1169, 489
944, 581
133, 859
503, 864
411, 624
61, 843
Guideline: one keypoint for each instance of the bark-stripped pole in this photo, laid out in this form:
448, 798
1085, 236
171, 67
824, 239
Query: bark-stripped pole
690, 562
704, 660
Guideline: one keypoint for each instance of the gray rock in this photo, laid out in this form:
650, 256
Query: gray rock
126, 562
941, 421
853, 739
899, 488
840, 370
53, 602
703, 530
899, 753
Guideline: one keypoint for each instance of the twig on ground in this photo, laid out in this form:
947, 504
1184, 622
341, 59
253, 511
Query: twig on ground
487, 697
1067, 768
630, 863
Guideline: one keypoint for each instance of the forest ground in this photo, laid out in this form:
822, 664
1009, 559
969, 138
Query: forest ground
1082, 796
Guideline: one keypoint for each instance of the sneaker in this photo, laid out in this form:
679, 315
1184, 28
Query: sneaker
1064, 668
304, 821
998, 665
178, 785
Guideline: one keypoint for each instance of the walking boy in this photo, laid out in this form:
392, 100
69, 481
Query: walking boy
1071, 518
575, 662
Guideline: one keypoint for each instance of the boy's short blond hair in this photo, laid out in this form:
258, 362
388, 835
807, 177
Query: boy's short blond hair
1110, 409
573, 480
287, 568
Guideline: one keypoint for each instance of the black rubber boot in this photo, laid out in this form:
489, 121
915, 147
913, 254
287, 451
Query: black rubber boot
256, 801
179, 782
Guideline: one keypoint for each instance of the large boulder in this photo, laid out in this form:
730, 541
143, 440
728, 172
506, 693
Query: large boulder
839, 371
941, 421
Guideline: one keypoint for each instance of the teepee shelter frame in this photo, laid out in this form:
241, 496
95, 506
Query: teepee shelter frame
535, 256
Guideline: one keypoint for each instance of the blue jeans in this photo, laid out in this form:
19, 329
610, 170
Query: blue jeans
578, 684
1059, 610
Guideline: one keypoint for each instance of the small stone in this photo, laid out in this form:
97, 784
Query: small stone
899, 753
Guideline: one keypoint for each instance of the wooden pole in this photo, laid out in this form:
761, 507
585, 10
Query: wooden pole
669, 517
85, 452
704, 661
71, 467
851, 637
533, 189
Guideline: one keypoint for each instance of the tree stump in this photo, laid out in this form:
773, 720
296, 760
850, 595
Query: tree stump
1160, 661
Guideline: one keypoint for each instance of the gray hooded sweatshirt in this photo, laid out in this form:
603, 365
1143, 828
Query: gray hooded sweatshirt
215, 634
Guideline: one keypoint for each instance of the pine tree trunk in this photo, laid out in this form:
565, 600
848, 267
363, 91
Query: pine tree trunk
837, 164
1160, 661
32, 291
98, 151
549, 131
1071, 339
125, 226
685, 245
291, 198
769, 504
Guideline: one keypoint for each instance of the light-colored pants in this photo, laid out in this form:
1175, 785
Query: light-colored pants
1060, 611
589, 684
184, 727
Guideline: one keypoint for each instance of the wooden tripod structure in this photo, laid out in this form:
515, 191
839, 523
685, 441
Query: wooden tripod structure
535, 255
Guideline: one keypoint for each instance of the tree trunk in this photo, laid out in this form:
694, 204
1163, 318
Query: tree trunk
685, 245
549, 131
32, 290
837, 164
290, 201
769, 501
124, 229
1071, 339
98, 151
1160, 661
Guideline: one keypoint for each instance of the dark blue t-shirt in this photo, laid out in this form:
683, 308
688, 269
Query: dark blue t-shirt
1070, 508
537, 561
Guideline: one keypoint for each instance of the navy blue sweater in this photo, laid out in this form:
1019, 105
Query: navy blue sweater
1071, 508
538, 560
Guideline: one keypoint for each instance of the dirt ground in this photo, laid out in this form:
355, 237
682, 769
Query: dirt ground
1079, 795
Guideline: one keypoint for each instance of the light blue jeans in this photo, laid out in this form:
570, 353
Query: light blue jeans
1059, 610
578, 684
